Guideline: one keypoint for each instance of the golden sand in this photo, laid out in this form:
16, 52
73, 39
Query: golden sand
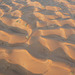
37, 37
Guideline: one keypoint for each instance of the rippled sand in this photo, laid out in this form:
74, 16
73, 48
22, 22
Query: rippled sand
37, 37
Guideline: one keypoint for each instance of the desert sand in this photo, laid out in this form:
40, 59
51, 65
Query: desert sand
37, 37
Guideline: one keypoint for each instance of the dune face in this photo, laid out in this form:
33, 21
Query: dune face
37, 37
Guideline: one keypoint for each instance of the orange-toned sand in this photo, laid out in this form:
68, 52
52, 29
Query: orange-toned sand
37, 37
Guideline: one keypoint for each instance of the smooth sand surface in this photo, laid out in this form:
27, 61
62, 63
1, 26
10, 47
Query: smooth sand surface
37, 37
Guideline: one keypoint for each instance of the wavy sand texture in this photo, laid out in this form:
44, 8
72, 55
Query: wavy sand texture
37, 37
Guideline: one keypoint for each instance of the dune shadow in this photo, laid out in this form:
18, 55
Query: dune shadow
55, 26
67, 26
47, 12
7, 68
55, 37
21, 2
37, 50
5, 8
70, 39
41, 52
50, 27
11, 4
10, 16
63, 8
12, 30
71, 2
59, 55
10, 47
46, 3
29, 17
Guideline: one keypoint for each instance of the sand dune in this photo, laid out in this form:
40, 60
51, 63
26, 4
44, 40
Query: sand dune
37, 37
